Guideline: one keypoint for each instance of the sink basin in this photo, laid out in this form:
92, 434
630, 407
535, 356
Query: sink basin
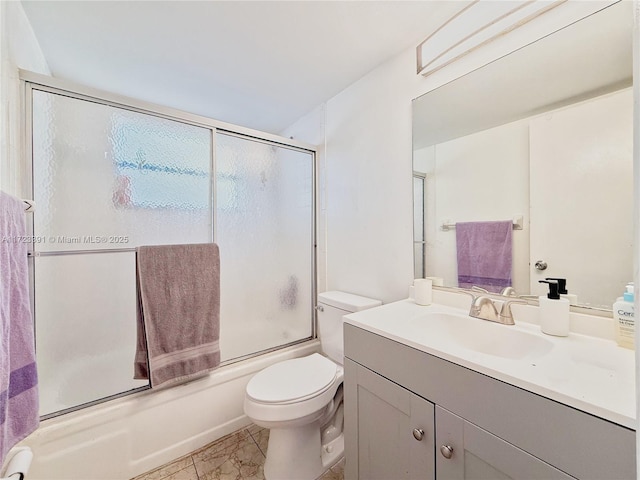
485, 337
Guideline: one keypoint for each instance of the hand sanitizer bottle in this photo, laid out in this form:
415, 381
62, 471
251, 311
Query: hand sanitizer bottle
624, 321
554, 311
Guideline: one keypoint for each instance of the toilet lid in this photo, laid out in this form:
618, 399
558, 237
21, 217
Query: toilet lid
292, 379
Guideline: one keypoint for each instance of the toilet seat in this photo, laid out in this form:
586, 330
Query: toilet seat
308, 386
293, 381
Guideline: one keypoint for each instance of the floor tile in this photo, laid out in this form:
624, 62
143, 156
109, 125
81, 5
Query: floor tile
261, 437
224, 443
167, 470
334, 473
338, 469
235, 458
238, 456
188, 473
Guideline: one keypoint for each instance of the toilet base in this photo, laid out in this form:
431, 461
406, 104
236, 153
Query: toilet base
333, 452
297, 454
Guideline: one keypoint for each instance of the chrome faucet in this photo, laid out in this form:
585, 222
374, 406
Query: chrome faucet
506, 315
484, 308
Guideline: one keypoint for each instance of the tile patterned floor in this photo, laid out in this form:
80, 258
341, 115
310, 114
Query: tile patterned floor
239, 456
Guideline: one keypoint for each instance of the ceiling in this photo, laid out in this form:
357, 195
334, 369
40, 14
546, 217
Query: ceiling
259, 64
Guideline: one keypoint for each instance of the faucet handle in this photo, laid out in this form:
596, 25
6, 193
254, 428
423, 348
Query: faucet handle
508, 292
506, 315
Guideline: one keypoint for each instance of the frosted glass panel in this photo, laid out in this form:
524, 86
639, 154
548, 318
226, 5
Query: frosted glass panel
265, 233
418, 259
109, 178
105, 177
85, 308
418, 209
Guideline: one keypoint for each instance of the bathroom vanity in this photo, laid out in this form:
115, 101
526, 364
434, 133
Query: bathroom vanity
432, 393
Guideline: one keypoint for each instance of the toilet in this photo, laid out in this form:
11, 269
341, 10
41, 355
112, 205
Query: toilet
300, 400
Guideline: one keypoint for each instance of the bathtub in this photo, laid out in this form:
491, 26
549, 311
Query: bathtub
128, 436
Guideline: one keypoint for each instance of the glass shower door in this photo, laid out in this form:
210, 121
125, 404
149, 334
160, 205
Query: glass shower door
105, 180
264, 227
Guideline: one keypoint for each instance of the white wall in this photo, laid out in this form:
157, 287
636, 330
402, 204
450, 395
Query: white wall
365, 222
18, 49
369, 198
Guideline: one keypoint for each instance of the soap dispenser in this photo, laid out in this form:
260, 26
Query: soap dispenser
562, 290
554, 311
624, 321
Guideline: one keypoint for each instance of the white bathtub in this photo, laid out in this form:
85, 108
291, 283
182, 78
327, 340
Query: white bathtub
131, 435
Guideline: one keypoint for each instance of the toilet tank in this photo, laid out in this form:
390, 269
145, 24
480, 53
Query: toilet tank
332, 306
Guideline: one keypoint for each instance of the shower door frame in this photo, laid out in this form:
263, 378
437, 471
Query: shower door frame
31, 81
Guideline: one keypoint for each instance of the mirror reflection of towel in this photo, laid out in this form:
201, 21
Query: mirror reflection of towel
484, 254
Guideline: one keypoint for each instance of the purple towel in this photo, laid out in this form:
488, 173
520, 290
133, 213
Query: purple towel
18, 376
484, 254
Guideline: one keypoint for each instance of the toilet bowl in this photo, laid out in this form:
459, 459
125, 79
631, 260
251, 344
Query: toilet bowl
300, 400
294, 399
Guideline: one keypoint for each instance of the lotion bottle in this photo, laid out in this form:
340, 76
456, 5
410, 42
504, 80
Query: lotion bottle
624, 321
562, 290
626, 289
554, 311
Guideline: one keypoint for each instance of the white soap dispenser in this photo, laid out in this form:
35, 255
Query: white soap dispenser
554, 311
624, 321
562, 290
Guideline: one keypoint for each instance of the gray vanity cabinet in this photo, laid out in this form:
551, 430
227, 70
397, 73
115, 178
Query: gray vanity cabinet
494, 430
395, 438
394, 428
465, 451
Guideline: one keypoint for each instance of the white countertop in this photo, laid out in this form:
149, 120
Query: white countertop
588, 373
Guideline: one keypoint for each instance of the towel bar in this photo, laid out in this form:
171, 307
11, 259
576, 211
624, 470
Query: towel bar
518, 223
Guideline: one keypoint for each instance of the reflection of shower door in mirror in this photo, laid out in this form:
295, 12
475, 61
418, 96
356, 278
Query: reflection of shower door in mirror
418, 225
585, 149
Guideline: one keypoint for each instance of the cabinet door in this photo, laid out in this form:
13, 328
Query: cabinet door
389, 431
465, 451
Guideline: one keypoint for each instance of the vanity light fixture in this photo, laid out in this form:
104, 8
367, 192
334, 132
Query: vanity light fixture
485, 20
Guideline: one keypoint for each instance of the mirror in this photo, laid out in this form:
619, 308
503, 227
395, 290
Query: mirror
541, 137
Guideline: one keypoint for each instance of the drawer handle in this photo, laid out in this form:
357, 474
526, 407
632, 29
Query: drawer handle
446, 451
418, 434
